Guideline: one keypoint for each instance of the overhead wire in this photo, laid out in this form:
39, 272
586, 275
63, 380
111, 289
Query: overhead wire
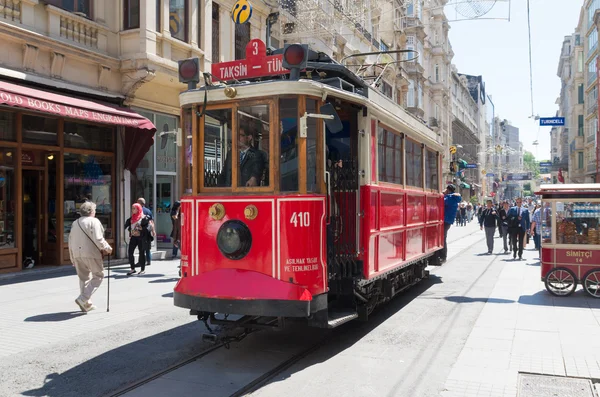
530, 60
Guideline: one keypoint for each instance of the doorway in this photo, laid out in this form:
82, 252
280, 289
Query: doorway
165, 197
32, 217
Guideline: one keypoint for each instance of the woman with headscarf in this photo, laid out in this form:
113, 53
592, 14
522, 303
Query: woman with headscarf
176, 232
138, 230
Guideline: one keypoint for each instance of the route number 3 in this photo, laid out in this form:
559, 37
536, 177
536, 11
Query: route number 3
300, 219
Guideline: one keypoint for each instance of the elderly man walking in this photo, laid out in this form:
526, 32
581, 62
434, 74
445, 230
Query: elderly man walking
86, 248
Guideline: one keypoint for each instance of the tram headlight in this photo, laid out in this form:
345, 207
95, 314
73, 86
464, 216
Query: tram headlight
234, 239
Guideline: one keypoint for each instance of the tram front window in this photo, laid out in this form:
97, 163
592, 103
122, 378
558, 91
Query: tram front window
253, 146
217, 142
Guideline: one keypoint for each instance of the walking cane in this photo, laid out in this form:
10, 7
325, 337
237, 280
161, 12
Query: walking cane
108, 292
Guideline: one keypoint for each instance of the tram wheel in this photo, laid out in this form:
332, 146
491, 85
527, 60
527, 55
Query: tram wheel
561, 282
591, 283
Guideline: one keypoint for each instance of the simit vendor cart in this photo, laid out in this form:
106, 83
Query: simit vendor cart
571, 238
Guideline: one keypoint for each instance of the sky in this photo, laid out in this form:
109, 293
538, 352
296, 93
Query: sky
498, 50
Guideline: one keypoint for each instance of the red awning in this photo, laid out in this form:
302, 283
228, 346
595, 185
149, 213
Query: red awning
139, 131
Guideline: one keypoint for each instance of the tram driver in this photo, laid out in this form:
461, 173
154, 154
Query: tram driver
251, 161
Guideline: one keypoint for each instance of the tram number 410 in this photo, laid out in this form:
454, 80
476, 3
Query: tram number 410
300, 219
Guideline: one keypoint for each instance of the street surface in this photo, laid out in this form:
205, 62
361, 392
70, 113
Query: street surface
467, 331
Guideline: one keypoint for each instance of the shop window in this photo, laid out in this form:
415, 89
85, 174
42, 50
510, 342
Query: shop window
166, 151
288, 165
131, 13
91, 136
217, 148
40, 130
142, 180
242, 38
414, 167
7, 126
7, 199
431, 170
77, 6
311, 147
88, 178
178, 22
390, 156
253, 146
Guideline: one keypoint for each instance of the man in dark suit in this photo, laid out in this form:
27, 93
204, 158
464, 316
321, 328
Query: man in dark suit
251, 162
518, 225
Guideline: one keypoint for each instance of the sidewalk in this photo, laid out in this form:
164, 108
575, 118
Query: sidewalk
524, 329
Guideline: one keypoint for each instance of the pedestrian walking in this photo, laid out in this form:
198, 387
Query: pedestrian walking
451, 201
489, 220
86, 248
536, 229
469, 212
137, 225
176, 232
148, 213
503, 224
463, 214
518, 226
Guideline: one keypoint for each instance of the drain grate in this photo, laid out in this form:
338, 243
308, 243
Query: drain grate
553, 386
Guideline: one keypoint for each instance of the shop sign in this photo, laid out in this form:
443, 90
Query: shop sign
524, 176
27, 157
12, 99
578, 256
256, 64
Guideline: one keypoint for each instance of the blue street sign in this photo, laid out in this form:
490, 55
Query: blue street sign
471, 165
553, 121
489, 174
545, 164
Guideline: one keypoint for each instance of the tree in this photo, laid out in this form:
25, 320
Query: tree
530, 164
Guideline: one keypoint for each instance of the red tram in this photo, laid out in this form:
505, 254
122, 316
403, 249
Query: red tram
319, 197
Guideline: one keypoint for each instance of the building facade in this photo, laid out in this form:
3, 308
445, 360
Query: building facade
93, 79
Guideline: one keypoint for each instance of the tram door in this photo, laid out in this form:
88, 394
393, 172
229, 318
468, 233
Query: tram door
342, 165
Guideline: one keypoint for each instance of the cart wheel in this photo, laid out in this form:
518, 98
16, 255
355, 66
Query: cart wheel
561, 282
591, 283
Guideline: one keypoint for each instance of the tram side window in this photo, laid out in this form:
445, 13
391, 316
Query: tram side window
217, 148
288, 127
253, 146
431, 170
577, 222
414, 167
390, 156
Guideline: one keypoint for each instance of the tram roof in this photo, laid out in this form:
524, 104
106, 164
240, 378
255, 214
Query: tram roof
385, 110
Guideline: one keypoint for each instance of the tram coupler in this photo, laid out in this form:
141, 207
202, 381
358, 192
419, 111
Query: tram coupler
210, 338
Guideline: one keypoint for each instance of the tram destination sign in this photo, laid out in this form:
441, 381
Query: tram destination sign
256, 64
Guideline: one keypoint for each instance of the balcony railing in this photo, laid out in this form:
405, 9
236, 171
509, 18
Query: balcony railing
591, 167
11, 10
76, 28
592, 107
591, 137
577, 143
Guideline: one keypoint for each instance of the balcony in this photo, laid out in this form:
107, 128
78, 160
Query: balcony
77, 29
413, 67
592, 107
10, 10
576, 144
591, 137
591, 167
